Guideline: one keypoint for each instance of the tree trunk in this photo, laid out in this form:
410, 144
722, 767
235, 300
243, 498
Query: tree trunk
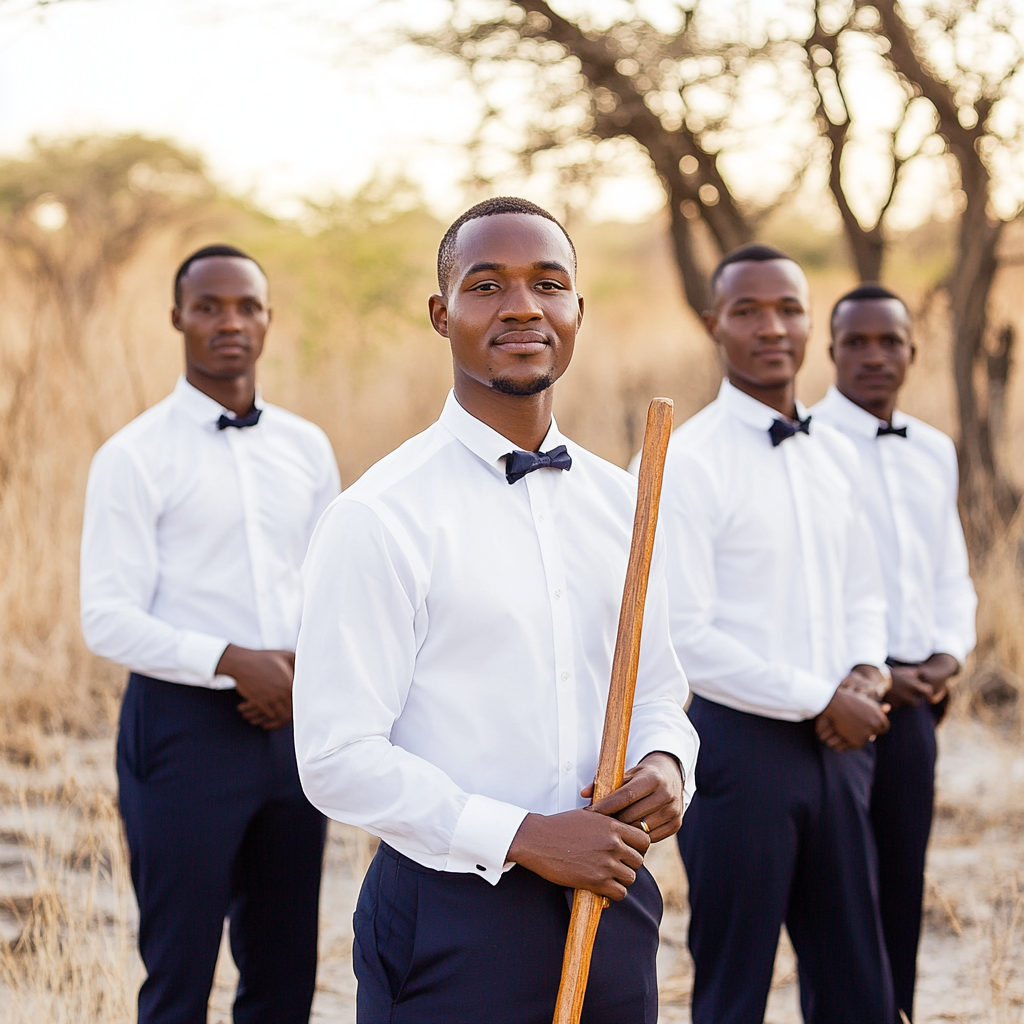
987, 499
692, 275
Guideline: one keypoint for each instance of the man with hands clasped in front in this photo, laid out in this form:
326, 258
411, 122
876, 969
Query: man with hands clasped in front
197, 517
908, 474
778, 615
453, 665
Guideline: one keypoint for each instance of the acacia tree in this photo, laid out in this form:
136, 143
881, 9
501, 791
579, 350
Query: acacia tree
964, 57
72, 215
677, 93
956, 63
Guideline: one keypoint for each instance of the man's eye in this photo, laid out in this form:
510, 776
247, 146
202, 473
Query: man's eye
485, 286
551, 286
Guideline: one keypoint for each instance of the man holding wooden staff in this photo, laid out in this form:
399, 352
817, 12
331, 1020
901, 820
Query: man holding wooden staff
778, 615
453, 668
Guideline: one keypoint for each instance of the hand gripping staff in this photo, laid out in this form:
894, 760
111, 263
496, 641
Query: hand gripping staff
587, 906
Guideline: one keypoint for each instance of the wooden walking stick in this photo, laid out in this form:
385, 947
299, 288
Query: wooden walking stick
611, 765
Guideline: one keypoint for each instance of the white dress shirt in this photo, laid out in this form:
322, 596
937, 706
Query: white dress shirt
194, 537
774, 587
456, 645
910, 488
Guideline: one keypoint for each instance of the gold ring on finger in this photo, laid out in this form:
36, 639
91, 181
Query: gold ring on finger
643, 825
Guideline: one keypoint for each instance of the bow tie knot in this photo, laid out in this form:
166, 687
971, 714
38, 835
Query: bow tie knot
890, 429
781, 430
518, 463
250, 419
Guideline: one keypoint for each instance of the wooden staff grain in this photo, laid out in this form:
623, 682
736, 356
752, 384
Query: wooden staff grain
611, 766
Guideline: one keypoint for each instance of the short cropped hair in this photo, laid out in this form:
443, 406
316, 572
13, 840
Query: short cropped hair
488, 208
863, 292
206, 253
753, 252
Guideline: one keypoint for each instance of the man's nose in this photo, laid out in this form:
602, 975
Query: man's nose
873, 355
520, 304
231, 321
771, 325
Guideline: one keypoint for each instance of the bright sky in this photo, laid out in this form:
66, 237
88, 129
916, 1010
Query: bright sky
281, 97
288, 99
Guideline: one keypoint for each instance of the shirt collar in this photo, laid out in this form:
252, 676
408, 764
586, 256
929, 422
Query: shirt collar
749, 410
484, 441
201, 408
855, 419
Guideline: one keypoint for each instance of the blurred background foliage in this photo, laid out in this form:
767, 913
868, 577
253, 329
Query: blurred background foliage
91, 231
754, 127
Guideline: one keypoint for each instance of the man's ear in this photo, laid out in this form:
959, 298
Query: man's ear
176, 318
913, 353
437, 305
832, 354
579, 318
710, 323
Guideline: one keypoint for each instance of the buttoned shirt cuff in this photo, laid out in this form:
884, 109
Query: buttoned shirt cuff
482, 838
200, 653
811, 693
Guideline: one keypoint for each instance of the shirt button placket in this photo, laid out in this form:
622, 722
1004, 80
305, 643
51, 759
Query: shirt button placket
561, 623
891, 475
250, 515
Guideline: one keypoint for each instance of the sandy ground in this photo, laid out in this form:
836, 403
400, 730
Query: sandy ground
52, 837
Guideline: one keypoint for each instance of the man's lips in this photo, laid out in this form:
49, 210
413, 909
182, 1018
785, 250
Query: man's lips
230, 347
521, 342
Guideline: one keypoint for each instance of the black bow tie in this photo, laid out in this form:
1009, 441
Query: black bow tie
518, 464
782, 429
249, 420
889, 429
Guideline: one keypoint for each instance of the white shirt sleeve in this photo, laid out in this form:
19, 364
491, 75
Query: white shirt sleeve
866, 634
955, 599
119, 573
715, 662
330, 484
659, 722
357, 647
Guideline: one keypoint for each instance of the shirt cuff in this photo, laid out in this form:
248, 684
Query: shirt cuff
683, 749
948, 644
483, 835
200, 653
810, 693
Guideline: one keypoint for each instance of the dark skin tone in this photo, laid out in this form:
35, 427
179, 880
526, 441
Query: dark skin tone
760, 320
511, 315
223, 314
872, 349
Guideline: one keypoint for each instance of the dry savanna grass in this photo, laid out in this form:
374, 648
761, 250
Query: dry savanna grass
83, 351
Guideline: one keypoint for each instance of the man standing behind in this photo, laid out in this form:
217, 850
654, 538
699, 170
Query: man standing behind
778, 617
909, 486
197, 518
462, 600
